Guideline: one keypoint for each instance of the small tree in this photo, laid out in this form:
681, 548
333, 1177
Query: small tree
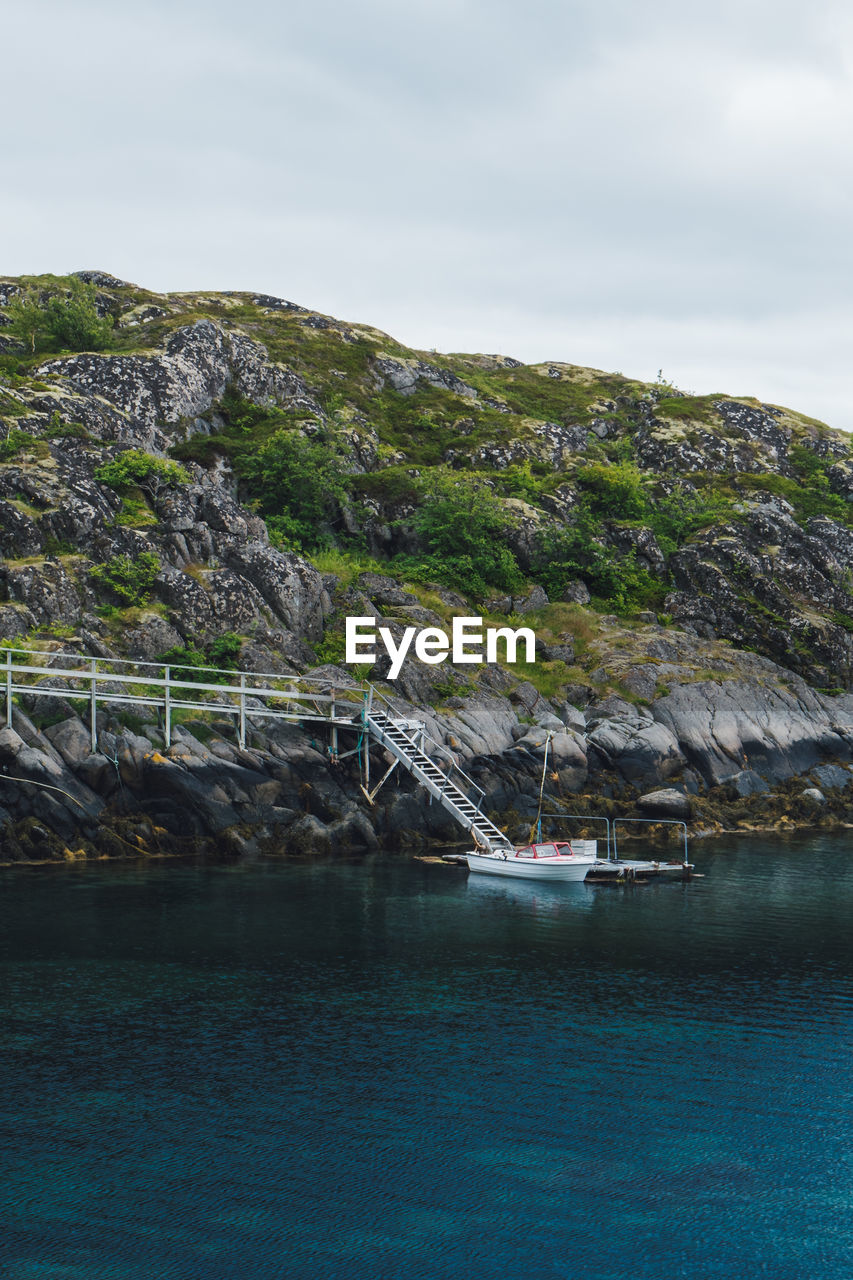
128, 578
298, 483
135, 469
66, 320
28, 319
464, 527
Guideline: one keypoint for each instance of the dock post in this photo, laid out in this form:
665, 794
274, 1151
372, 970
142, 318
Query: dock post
8, 688
93, 706
334, 739
365, 735
242, 710
167, 707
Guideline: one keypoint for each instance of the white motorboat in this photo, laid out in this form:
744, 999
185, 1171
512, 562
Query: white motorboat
551, 860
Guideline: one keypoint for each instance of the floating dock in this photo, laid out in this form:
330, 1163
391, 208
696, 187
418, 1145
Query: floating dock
622, 870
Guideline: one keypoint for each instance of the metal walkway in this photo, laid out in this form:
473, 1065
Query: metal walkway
250, 696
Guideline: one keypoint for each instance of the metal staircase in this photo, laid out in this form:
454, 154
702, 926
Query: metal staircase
390, 733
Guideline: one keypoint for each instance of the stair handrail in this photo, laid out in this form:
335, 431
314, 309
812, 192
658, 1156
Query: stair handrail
427, 737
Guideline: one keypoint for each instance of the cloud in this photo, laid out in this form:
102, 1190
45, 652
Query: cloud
664, 185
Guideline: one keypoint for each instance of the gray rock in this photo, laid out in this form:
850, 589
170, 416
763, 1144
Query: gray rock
571, 716
536, 599
292, 587
15, 620
745, 783
39, 770
528, 696
19, 534
151, 638
642, 681
183, 744
496, 678
832, 776
562, 652
547, 720
10, 744
404, 376
576, 592
195, 807
640, 751
384, 591
46, 590
668, 803
72, 740
579, 695
99, 774
777, 732
612, 708
813, 796
199, 362
483, 727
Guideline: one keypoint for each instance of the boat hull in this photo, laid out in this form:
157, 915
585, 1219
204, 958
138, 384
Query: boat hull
565, 869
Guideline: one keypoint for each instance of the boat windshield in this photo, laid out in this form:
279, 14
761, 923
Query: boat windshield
561, 850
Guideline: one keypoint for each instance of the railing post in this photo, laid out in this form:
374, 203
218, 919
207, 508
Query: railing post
167, 707
8, 688
93, 706
242, 710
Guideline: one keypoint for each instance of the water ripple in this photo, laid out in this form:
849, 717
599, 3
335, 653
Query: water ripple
390, 1070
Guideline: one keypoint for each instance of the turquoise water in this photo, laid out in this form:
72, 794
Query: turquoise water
394, 1071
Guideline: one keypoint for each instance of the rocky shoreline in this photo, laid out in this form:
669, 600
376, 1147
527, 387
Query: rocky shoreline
283, 794
724, 705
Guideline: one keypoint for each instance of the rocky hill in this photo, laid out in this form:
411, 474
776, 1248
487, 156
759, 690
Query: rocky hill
222, 478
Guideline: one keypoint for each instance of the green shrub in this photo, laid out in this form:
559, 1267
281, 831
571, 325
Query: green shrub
463, 527
615, 491
391, 484
135, 469
527, 481
566, 552
190, 663
16, 442
810, 499
58, 430
225, 650
808, 462
66, 320
129, 579
687, 408
298, 484
673, 517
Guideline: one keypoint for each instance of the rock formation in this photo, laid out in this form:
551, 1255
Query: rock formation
708, 676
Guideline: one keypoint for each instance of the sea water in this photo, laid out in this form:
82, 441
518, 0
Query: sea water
392, 1069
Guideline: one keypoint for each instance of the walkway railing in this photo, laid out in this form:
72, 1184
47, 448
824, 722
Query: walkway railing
168, 688
110, 681
653, 822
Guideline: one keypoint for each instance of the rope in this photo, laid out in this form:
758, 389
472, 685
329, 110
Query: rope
47, 786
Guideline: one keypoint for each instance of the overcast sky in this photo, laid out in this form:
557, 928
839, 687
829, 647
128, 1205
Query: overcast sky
635, 186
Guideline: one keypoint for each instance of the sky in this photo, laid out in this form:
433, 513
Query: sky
643, 187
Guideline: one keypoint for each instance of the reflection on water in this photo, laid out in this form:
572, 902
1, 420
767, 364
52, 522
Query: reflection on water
394, 1070
535, 901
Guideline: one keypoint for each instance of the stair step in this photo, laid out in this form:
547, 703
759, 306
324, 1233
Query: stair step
410, 753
